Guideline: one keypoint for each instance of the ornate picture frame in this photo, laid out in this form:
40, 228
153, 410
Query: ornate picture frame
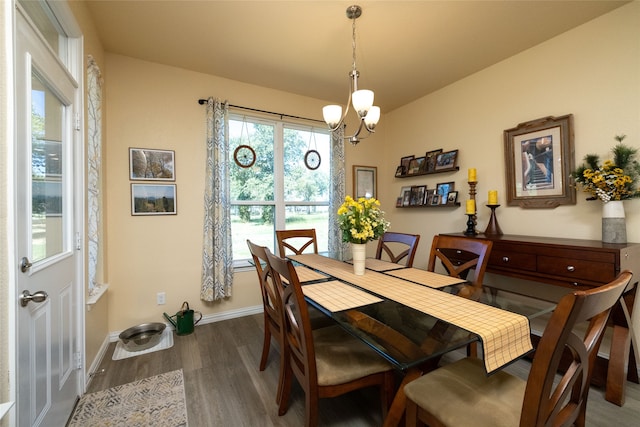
365, 181
539, 157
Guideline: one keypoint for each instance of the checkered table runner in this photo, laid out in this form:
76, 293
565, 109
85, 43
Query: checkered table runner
424, 277
338, 296
505, 336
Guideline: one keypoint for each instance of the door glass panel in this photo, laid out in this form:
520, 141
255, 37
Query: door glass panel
47, 207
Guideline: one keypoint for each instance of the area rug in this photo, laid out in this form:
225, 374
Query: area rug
156, 401
165, 342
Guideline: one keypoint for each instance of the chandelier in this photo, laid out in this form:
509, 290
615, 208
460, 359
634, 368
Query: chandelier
362, 99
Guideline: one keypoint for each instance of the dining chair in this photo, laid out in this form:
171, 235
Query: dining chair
461, 394
326, 362
272, 308
296, 241
398, 246
460, 255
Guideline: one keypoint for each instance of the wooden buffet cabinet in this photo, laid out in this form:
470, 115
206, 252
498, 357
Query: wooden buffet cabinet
578, 264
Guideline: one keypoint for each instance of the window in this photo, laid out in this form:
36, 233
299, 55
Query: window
278, 191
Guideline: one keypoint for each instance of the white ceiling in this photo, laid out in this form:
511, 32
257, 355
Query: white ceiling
405, 49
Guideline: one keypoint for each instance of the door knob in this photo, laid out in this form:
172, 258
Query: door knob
27, 296
25, 264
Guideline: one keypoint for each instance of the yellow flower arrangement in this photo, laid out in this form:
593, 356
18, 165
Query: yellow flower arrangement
361, 220
615, 179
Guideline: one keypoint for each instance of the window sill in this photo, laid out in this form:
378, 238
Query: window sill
96, 294
4, 408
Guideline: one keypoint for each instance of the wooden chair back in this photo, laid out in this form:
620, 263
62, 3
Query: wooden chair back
271, 300
390, 241
548, 401
461, 255
296, 241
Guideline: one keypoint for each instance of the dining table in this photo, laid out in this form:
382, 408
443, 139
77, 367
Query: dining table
412, 317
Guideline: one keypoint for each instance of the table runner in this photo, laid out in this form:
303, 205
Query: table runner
505, 336
424, 277
380, 265
338, 296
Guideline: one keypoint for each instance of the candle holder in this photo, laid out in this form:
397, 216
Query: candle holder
471, 226
493, 229
472, 196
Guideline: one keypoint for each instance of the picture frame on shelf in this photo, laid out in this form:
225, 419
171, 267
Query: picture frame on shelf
147, 164
452, 197
446, 160
435, 199
399, 202
153, 199
365, 181
406, 197
443, 189
428, 196
400, 171
417, 195
539, 156
405, 162
430, 160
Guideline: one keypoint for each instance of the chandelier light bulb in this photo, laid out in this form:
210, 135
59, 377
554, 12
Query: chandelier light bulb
372, 117
332, 115
362, 101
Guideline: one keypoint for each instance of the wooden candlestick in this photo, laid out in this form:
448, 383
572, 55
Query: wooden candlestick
493, 229
471, 226
472, 196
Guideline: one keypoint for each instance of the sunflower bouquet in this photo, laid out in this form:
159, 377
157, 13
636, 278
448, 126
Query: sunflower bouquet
614, 179
361, 220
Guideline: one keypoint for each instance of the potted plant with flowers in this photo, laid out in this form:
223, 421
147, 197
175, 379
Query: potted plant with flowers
361, 221
611, 182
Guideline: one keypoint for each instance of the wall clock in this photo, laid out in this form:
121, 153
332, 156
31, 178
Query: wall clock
312, 159
244, 156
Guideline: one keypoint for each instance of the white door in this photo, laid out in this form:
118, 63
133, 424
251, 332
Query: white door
47, 279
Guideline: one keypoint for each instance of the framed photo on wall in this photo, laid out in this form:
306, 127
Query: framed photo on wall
153, 199
443, 190
364, 181
405, 162
446, 160
430, 160
147, 164
539, 156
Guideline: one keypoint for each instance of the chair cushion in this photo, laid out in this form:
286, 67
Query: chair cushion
341, 358
461, 394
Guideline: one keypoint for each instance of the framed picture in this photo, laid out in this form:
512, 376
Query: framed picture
443, 190
153, 199
446, 160
430, 162
417, 165
399, 202
452, 197
539, 157
364, 181
417, 195
428, 196
404, 189
151, 165
406, 197
405, 162
400, 171
435, 199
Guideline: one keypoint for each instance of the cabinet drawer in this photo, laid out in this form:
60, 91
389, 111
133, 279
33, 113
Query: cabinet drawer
512, 260
577, 269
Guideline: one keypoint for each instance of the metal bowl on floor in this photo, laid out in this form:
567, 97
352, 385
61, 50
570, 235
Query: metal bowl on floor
142, 337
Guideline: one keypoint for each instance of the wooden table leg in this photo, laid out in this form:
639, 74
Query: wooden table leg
396, 411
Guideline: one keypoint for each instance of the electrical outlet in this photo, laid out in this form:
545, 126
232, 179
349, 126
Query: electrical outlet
160, 298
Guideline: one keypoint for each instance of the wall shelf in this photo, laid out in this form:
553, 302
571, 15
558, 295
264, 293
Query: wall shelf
456, 168
448, 205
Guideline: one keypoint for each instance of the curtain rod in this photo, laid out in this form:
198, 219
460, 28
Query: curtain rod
204, 101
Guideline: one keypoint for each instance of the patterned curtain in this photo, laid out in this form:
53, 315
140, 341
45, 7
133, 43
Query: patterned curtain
217, 255
337, 249
94, 169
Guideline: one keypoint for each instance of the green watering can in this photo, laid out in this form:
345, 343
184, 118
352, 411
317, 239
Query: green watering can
183, 320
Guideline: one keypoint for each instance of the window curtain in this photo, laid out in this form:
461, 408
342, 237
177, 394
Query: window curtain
337, 249
217, 256
94, 170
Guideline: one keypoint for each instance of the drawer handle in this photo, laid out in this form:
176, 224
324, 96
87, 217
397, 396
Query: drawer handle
571, 268
505, 259
458, 252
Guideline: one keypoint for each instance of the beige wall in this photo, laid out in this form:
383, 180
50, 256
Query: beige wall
592, 72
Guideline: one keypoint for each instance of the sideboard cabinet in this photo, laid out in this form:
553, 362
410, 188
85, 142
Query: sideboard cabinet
577, 264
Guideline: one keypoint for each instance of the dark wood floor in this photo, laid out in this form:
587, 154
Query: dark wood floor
225, 388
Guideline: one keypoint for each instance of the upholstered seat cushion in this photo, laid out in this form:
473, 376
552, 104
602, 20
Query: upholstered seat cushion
341, 358
461, 394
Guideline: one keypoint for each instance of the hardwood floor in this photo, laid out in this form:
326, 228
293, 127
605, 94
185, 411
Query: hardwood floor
225, 388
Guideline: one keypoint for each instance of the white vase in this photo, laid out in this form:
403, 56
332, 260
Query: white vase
614, 226
358, 254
